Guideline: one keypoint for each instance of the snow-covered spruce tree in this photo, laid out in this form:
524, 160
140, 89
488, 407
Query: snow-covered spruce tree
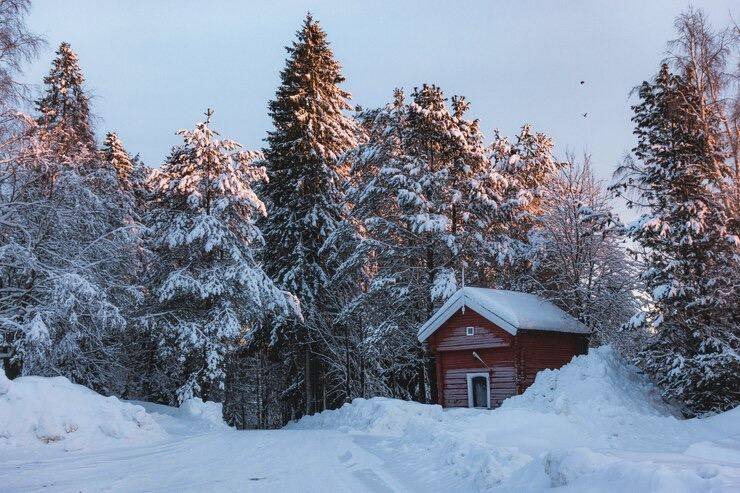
129, 177
305, 201
131, 173
527, 167
416, 180
115, 154
690, 247
64, 107
580, 260
210, 292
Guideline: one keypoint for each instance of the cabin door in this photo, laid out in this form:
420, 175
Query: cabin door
479, 390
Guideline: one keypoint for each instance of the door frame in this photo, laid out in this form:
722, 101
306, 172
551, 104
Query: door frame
470, 377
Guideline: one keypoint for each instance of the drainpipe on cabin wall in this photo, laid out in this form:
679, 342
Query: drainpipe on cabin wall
489, 370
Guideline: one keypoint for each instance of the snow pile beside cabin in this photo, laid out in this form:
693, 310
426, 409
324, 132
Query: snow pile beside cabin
600, 384
594, 425
39, 411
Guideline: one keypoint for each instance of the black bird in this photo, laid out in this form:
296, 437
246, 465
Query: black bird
583, 82
585, 115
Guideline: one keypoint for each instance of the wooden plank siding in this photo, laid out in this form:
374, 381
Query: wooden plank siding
547, 350
511, 361
454, 353
452, 337
455, 365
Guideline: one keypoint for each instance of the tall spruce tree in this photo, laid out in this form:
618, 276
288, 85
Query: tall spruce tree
690, 248
64, 108
210, 290
304, 195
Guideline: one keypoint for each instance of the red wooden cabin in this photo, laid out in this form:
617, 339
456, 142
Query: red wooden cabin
489, 344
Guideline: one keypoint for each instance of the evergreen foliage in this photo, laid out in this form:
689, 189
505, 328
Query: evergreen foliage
210, 292
304, 197
115, 154
159, 284
64, 107
690, 247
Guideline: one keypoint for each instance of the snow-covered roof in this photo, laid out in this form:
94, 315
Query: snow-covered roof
510, 310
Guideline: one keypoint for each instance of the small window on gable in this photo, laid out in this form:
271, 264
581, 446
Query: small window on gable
469, 331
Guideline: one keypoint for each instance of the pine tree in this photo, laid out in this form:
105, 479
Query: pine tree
304, 193
210, 292
421, 186
115, 154
526, 167
64, 107
690, 248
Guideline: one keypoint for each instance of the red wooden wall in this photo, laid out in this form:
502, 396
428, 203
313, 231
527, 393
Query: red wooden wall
541, 350
512, 361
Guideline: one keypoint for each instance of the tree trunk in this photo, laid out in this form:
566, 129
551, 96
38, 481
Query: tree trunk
308, 378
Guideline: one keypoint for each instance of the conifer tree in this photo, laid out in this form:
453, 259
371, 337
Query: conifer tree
209, 290
421, 188
526, 167
64, 108
690, 248
115, 154
304, 193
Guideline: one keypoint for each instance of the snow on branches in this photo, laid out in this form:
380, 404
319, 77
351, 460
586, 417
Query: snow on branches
210, 290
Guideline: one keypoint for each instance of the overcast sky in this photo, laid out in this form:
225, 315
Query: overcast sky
155, 66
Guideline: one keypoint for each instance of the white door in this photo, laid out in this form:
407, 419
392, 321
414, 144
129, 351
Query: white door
479, 390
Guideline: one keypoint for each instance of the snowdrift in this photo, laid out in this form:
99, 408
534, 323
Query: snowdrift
193, 416
600, 383
40, 411
379, 416
594, 425
210, 413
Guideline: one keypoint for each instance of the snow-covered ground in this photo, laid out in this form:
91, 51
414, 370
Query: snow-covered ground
594, 425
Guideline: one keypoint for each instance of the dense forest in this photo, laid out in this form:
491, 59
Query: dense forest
292, 279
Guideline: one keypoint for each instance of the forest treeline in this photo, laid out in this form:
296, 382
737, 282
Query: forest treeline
293, 279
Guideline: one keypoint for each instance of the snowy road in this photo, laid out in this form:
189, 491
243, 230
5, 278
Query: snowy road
280, 460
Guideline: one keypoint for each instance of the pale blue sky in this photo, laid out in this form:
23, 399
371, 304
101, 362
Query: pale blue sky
155, 66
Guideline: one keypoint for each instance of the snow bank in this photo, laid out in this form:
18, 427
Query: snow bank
379, 415
192, 417
38, 411
600, 383
594, 425
210, 413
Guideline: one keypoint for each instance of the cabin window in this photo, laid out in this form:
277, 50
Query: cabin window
469, 331
479, 390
